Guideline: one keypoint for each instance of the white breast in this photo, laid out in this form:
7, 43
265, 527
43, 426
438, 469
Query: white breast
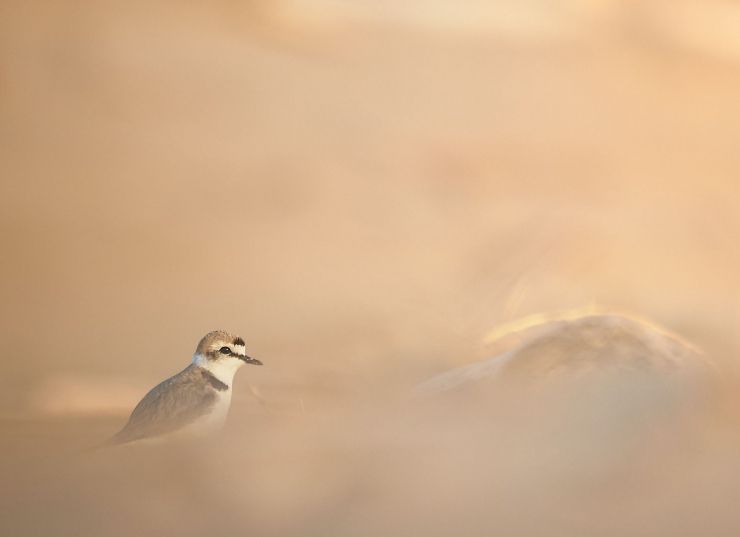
215, 419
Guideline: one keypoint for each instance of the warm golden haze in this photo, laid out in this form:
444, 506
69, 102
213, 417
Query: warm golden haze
372, 193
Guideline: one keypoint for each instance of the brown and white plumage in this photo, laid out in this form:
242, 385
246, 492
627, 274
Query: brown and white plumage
196, 399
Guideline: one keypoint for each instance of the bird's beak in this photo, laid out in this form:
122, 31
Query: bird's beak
249, 360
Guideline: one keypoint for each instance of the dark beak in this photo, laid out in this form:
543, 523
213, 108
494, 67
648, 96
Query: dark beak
249, 360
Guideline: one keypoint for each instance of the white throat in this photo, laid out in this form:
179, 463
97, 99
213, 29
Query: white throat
223, 369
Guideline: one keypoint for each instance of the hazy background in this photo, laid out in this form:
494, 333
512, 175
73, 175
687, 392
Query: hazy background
362, 190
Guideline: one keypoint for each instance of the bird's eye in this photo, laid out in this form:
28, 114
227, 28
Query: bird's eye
224, 350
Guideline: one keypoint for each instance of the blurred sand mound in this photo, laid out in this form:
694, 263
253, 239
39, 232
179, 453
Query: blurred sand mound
582, 418
580, 347
599, 385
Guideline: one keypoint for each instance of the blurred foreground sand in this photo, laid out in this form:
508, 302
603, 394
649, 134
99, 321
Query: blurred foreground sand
626, 448
559, 464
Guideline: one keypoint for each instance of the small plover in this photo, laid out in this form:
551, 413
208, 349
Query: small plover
197, 399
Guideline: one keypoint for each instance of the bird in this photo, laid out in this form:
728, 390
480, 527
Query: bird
195, 401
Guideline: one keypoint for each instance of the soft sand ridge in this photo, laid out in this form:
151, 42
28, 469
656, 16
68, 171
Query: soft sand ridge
577, 343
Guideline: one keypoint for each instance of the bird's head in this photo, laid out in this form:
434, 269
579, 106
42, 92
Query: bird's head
221, 349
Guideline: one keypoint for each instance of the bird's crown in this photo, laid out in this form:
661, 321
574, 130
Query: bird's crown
212, 342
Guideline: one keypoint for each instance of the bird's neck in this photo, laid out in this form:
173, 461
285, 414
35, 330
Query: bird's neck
223, 369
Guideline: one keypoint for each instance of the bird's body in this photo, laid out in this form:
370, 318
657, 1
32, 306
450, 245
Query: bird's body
196, 400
